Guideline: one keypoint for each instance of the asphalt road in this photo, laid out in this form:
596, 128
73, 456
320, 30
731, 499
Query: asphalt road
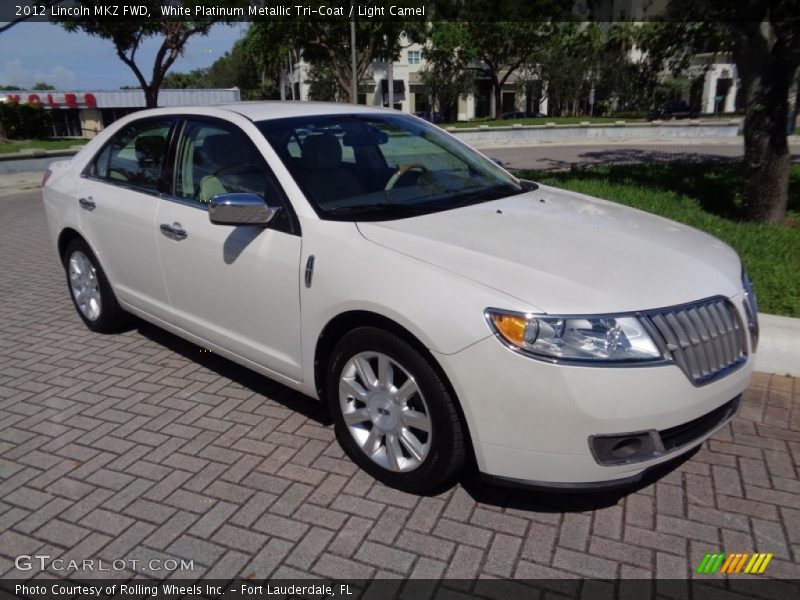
552, 156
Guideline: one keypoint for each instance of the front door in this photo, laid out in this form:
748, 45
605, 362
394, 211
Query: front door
234, 286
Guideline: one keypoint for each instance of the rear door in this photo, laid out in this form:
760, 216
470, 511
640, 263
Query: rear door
119, 196
235, 286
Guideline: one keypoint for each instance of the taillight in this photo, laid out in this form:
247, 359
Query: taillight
46, 176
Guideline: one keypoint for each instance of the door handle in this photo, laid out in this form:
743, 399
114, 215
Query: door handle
173, 231
87, 203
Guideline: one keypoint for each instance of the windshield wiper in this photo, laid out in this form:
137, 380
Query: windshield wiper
483, 195
366, 209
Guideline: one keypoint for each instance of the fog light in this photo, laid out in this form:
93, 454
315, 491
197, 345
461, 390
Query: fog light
625, 448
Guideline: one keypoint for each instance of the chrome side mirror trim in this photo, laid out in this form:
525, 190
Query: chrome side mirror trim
240, 209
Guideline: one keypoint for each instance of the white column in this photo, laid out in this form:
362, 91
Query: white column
730, 99
709, 90
390, 82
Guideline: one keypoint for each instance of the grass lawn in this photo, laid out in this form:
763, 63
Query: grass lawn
540, 121
8, 147
564, 121
704, 196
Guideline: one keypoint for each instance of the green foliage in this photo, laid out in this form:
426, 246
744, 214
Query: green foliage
9, 88
272, 46
196, 79
496, 49
447, 75
322, 85
50, 144
23, 121
326, 43
761, 37
704, 195
42, 86
236, 68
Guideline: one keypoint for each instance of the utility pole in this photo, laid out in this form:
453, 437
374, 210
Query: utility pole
353, 62
390, 76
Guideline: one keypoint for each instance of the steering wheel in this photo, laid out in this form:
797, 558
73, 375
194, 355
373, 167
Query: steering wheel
402, 171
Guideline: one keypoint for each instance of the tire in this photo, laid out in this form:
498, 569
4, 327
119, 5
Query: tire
90, 291
402, 426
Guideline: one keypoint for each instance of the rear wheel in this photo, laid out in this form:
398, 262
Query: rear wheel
393, 413
90, 291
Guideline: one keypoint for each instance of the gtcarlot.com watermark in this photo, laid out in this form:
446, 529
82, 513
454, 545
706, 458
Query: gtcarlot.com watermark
44, 562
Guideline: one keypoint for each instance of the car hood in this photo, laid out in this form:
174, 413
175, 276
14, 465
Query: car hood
562, 252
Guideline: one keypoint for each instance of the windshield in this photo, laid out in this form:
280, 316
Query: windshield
375, 166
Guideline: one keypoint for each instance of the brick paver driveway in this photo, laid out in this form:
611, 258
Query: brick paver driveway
141, 446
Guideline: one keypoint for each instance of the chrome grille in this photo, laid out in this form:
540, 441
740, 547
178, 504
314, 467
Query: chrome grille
706, 339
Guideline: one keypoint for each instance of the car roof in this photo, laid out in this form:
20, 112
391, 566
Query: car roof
280, 109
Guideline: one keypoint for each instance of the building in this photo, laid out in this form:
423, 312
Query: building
85, 113
715, 84
409, 93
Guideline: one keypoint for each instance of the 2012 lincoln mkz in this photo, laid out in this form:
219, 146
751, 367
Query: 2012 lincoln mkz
448, 313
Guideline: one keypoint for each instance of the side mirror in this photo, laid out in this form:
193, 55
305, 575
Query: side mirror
240, 209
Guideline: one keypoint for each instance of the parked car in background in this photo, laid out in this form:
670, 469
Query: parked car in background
447, 312
522, 115
673, 109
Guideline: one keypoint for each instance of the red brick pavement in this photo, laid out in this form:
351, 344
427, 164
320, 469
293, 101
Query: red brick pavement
140, 446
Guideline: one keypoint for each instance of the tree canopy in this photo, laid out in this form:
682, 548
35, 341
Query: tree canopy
763, 39
128, 35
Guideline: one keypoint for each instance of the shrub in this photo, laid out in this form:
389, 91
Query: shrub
22, 121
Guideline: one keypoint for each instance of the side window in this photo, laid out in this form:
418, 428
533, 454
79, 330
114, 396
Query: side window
135, 155
215, 158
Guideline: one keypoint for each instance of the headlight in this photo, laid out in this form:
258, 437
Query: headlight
575, 339
750, 308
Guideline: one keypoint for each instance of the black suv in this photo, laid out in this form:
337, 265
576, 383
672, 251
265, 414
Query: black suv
673, 109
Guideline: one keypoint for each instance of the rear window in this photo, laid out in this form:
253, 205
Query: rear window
135, 155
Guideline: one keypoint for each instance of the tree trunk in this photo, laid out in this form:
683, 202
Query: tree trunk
151, 96
498, 101
765, 190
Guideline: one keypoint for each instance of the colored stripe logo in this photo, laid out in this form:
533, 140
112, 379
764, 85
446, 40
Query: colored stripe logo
732, 563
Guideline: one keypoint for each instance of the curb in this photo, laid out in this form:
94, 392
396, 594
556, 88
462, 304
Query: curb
779, 345
38, 153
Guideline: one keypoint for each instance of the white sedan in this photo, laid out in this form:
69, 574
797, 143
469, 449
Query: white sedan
446, 311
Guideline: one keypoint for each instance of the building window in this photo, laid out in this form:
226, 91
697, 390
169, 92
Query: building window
67, 123
414, 56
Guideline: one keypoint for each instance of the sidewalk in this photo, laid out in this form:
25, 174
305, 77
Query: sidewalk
15, 183
779, 346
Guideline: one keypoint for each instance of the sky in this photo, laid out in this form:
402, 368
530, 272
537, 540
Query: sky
33, 52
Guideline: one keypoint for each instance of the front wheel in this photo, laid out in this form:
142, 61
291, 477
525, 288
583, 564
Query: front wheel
91, 293
393, 414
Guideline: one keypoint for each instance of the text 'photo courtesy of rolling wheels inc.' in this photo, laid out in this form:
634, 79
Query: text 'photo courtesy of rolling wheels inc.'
400, 299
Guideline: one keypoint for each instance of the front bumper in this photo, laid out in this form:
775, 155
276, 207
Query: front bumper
533, 421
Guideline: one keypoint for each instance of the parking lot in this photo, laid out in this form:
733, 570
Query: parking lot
141, 446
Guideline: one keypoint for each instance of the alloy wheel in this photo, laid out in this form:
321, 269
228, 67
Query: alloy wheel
84, 285
385, 411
